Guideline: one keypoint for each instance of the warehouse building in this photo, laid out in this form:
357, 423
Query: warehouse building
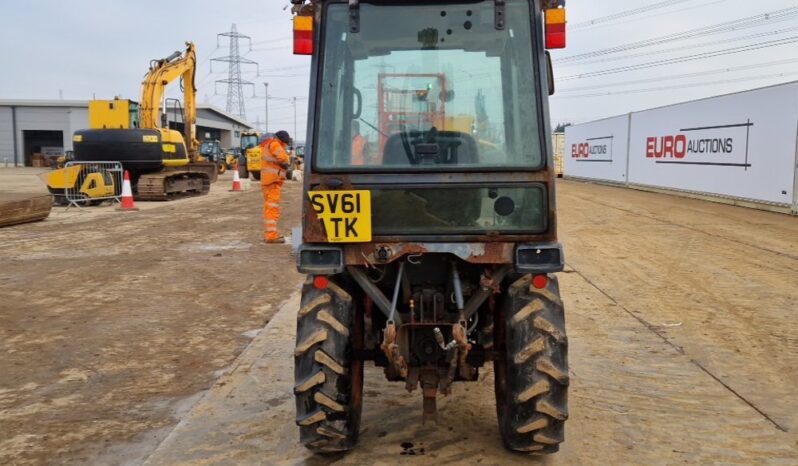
45, 127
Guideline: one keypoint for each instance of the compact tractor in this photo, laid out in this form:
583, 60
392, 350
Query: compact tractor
429, 232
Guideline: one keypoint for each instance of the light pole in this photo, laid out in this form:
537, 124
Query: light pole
293, 100
266, 125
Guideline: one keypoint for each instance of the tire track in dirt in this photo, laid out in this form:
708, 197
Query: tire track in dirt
729, 307
681, 350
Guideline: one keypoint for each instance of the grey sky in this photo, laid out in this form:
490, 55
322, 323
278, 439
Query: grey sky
681, 16
102, 48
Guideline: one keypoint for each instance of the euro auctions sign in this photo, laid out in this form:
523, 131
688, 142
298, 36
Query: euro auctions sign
593, 149
739, 145
597, 150
724, 145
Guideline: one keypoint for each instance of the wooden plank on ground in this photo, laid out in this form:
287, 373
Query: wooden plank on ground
24, 208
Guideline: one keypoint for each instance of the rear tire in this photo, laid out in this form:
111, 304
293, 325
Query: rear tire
329, 380
532, 373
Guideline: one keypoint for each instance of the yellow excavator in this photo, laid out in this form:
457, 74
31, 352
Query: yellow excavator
163, 163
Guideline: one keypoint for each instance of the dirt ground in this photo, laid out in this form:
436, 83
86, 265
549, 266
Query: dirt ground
112, 323
681, 317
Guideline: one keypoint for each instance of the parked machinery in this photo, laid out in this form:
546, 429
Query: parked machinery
433, 254
211, 151
163, 163
251, 154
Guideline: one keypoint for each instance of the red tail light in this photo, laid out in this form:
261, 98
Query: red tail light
320, 282
540, 281
303, 35
555, 28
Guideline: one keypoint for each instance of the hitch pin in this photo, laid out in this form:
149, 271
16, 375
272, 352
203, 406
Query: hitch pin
441, 341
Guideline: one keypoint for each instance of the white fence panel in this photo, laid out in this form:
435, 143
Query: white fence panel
741, 145
598, 150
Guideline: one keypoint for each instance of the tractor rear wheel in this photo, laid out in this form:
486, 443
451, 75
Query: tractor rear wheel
531, 372
328, 376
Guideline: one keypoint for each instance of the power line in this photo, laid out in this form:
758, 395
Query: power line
266, 49
681, 76
655, 15
269, 41
686, 47
677, 87
625, 14
688, 58
728, 26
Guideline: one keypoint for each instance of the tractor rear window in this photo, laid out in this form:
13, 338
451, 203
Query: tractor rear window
433, 87
460, 210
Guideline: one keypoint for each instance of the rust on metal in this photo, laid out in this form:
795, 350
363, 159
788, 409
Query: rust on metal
429, 380
461, 354
312, 228
392, 351
488, 281
368, 254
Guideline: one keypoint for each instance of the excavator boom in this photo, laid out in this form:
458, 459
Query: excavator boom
161, 74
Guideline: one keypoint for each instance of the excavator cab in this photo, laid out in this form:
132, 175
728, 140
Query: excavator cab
429, 231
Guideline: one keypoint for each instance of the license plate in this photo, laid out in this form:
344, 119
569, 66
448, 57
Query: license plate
346, 215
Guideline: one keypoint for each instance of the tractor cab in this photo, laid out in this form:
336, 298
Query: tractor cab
432, 106
429, 222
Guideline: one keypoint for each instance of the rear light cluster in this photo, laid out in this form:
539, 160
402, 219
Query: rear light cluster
555, 28
303, 35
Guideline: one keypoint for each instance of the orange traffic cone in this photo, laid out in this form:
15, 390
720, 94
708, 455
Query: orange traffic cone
236, 180
127, 195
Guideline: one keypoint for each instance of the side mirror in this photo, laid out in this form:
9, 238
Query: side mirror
550, 72
359, 111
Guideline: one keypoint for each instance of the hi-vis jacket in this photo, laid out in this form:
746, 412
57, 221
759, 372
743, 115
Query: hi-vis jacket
275, 161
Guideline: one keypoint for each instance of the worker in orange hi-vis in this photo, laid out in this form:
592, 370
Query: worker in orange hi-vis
359, 146
272, 175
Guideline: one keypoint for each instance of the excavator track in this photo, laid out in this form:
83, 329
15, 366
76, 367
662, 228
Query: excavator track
165, 186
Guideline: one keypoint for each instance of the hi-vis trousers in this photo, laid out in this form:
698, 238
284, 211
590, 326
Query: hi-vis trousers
271, 208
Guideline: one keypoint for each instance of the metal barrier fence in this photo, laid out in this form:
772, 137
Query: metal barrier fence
94, 182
